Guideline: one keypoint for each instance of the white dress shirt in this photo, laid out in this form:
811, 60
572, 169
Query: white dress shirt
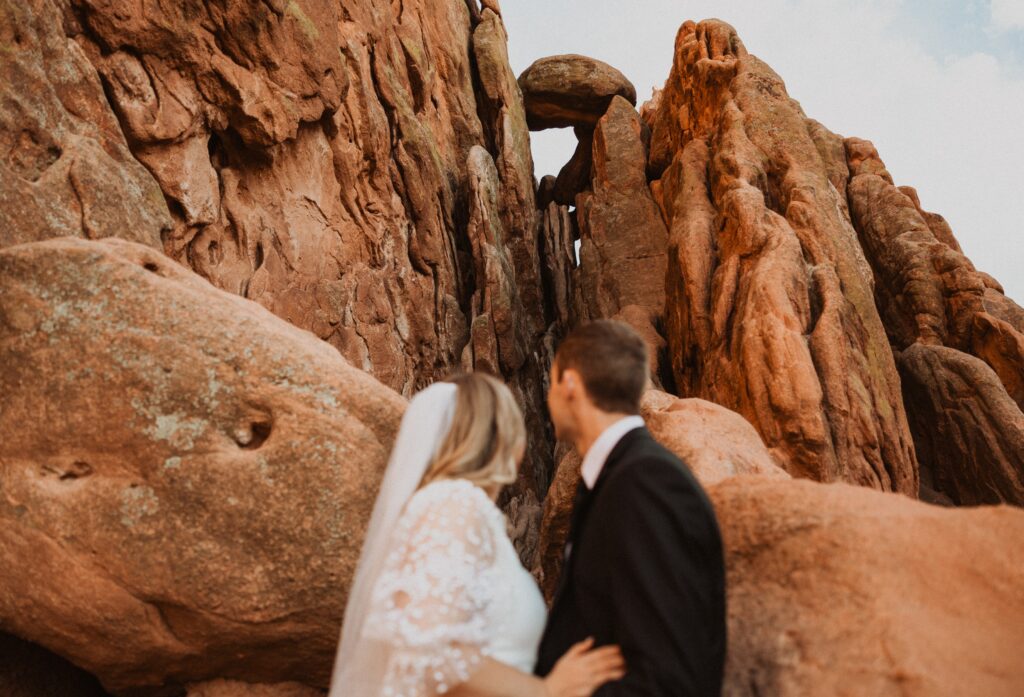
593, 461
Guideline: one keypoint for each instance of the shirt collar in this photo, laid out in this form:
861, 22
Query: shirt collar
593, 461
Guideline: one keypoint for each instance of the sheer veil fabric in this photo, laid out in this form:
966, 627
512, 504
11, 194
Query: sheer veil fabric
362, 661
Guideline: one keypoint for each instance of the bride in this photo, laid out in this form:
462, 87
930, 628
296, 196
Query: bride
440, 603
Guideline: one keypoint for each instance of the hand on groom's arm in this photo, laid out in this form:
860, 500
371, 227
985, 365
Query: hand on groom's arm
666, 586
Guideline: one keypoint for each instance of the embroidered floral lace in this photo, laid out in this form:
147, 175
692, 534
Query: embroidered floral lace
432, 601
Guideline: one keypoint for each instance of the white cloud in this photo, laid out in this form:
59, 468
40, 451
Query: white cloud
1008, 14
948, 125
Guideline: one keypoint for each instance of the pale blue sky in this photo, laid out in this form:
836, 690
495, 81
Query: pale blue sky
938, 85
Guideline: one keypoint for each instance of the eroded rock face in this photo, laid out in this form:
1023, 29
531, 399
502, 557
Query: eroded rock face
237, 688
948, 320
969, 433
189, 475
714, 442
66, 168
315, 159
571, 90
834, 589
769, 308
624, 240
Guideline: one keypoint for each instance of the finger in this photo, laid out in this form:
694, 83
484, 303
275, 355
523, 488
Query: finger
608, 676
602, 678
582, 646
605, 651
605, 666
610, 662
600, 657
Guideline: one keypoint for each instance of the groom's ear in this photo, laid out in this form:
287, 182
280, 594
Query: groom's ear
571, 379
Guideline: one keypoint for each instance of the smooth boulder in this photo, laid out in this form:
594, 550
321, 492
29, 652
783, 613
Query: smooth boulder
183, 473
570, 90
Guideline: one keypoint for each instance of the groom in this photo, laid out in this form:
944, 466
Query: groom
643, 562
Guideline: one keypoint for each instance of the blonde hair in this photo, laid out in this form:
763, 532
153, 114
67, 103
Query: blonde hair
487, 436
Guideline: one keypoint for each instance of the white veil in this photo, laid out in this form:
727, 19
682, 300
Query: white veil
358, 664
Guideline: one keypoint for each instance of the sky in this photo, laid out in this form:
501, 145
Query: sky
936, 85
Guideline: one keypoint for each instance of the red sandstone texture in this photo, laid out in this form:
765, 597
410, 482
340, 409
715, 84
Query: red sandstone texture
67, 169
960, 341
315, 158
185, 476
769, 298
840, 590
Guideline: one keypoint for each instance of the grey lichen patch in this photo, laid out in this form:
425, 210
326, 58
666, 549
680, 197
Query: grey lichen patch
136, 503
265, 470
295, 10
177, 429
213, 387
324, 398
173, 462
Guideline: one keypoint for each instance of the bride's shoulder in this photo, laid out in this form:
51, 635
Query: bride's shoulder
453, 495
449, 490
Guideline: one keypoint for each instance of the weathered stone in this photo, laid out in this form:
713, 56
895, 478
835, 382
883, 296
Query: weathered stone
498, 335
966, 420
66, 168
557, 238
545, 191
314, 158
968, 433
623, 248
770, 306
714, 442
236, 688
554, 525
571, 90
185, 475
834, 589
504, 119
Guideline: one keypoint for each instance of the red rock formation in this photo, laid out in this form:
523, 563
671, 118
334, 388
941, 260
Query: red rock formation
966, 419
315, 159
969, 434
66, 168
834, 589
237, 688
622, 253
769, 305
571, 90
186, 477
714, 442
362, 170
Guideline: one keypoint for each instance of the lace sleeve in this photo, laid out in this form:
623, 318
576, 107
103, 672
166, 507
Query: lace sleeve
430, 602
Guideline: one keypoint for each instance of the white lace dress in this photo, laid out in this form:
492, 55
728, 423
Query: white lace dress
452, 591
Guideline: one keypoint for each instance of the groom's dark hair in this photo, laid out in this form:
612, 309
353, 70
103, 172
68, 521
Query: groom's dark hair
611, 358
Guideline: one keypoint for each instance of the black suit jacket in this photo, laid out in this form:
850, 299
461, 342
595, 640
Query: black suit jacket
645, 571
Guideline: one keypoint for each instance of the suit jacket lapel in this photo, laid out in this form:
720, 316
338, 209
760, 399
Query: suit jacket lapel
583, 502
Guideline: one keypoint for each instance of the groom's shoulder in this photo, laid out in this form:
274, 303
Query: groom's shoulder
645, 461
656, 458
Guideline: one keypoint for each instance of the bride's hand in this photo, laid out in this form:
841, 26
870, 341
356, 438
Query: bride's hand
582, 670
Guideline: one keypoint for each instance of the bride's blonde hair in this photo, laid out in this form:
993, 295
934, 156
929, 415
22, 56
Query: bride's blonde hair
487, 438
